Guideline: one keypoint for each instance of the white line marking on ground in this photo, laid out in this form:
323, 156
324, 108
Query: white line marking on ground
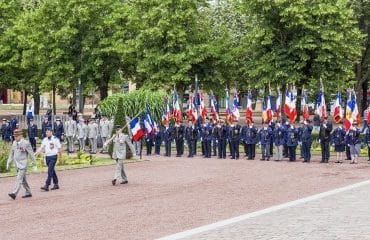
233, 220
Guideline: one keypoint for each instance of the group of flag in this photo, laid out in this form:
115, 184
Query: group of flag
197, 108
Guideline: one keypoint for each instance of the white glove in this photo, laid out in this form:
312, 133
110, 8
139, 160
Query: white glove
34, 168
319, 141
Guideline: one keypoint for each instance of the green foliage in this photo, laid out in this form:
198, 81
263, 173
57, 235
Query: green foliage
133, 104
4, 154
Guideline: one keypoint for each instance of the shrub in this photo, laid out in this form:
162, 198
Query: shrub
4, 153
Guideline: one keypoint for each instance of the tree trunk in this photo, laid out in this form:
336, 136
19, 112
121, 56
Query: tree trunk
54, 104
103, 88
24, 102
74, 97
36, 99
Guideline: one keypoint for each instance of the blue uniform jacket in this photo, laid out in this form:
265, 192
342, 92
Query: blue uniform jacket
354, 136
251, 135
291, 137
265, 136
58, 130
339, 136
167, 134
206, 132
32, 130
44, 126
306, 134
235, 132
279, 136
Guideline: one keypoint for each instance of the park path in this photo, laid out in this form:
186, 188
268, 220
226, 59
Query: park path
164, 196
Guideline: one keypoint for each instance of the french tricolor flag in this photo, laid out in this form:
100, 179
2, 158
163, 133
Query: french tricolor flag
137, 131
321, 107
249, 110
278, 106
338, 113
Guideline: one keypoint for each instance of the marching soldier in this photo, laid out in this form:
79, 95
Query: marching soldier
45, 124
13, 125
354, 142
105, 130
179, 132
292, 142
367, 140
92, 134
191, 135
81, 134
3, 127
59, 129
167, 137
20, 151
251, 139
70, 128
32, 134
119, 153
206, 134
265, 136
279, 141
306, 138
52, 148
8, 131
222, 132
235, 134
339, 142
325, 139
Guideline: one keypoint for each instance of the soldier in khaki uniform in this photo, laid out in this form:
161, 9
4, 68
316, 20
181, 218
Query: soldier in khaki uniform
105, 130
119, 153
21, 150
70, 129
92, 134
82, 134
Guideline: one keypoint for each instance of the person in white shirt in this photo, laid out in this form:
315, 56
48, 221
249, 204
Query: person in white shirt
52, 148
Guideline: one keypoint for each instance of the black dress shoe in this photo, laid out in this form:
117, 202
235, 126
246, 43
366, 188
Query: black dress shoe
55, 187
262, 159
27, 196
45, 188
12, 195
114, 182
124, 182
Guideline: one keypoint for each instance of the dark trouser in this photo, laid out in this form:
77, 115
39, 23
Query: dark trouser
306, 151
214, 146
191, 147
348, 153
167, 145
230, 147
325, 151
235, 148
50, 162
251, 151
285, 151
368, 152
149, 146
203, 147
222, 148
179, 146
33, 143
265, 149
291, 153
271, 149
157, 147
207, 148
195, 147
245, 148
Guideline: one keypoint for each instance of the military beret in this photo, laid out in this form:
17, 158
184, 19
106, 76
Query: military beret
118, 127
18, 132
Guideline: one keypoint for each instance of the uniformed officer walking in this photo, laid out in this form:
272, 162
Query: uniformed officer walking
354, 142
70, 128
105, 129
265, 138
339, 142
191, 136
222, 132
32, 134
306, 138
92, 134
3, 127
292, 142
52, 148
8, 131
20, 152
325, 139
167, 137
82, 134
279, 141
179, 132
59, 129
235, 134
119, 153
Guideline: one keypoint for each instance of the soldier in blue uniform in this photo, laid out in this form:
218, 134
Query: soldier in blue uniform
58, 129
8, 132
32, 133
272, 125
265, 138
149, 137
45, 125
291, 139
3, 127
179, 134
285, 146
167, 138
339, 142
279, 141
235, 135
325, 138
206, 135
367, 140
222, 132
251, 139
191, 136
214, 136
354, 142
157, 141
306, 138
244, 139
